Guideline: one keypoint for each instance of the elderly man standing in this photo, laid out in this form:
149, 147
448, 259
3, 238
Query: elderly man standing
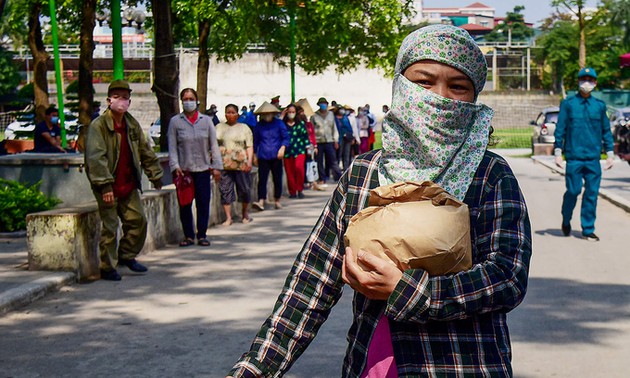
327, 137
582, 127
116, 153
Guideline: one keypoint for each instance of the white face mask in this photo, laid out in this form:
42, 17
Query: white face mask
587, 86
290, 115
189, 106
119, 105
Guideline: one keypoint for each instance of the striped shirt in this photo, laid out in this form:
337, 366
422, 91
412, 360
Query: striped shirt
442, 326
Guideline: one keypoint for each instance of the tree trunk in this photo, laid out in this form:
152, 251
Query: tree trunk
86, 67
166, 71
40, 56
203, 63
2, 3
582, 51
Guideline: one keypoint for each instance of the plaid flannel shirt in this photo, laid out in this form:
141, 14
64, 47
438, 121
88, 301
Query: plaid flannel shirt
442, 326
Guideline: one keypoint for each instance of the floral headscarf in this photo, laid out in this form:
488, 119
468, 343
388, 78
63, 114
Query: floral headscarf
427, 136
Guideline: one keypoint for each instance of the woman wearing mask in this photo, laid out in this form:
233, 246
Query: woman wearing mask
408, 323
295, 155
236, 143
270, 142
191, 141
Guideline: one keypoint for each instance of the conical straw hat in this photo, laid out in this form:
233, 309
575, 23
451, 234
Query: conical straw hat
308, 111
266, 108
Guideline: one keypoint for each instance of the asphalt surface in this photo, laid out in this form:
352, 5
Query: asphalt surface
197, 309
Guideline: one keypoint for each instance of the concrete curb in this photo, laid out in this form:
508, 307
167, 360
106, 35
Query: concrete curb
29, 292
605, 194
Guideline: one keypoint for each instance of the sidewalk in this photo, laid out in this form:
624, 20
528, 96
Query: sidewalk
19, 286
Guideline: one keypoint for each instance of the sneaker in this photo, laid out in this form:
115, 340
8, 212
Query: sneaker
110, 275
591, 237
300, 195
258, 205
133, 265
566, 229
292, 196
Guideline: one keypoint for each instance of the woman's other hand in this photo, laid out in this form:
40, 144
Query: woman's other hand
281, 152
179, 172
376, 283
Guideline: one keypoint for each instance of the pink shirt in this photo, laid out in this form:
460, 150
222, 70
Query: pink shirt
380, 357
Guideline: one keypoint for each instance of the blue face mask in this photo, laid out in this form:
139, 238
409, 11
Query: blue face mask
323, 106
54, 120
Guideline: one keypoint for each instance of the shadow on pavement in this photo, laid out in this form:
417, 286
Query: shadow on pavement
564, 312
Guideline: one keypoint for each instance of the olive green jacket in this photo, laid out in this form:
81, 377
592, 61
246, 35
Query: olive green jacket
102, 151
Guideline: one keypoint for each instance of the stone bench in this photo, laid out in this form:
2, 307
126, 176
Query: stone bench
66, 239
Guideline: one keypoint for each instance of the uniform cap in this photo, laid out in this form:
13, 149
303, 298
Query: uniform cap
587, 71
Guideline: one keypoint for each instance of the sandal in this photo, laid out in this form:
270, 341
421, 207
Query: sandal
227, 223
203, 242
186, 242
247, 220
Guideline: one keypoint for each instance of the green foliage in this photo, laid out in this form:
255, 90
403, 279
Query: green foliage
513, 27
604, 43
344, 34
27, 92
17, 200
9, 76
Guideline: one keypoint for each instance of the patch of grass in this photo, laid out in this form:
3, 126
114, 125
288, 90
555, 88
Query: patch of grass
378, 142
512, 138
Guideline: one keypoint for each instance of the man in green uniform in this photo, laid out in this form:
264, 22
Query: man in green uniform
582, 127
116, 151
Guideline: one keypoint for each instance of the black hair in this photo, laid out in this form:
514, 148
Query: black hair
51, 110
194, 92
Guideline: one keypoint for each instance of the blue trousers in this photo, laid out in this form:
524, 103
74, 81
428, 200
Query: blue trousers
202, 203
587, 174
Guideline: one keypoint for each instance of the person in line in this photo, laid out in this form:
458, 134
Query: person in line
407, 323
236, 143
363, 125
311, 149
327, 142
271, 140
212, 113
295, 155
346, 137
581, 129
47, 134
352, 117
116, 152
193, 150
250, 117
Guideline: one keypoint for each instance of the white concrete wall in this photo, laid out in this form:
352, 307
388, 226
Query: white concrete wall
257, 78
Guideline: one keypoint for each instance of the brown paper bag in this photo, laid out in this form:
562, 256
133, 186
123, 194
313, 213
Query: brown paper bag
415, 225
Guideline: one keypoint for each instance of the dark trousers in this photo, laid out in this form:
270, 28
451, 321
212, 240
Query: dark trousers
202, 203
264, 167
346, 153
327, 151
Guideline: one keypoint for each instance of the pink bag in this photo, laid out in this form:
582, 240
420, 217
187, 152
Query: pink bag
185, 188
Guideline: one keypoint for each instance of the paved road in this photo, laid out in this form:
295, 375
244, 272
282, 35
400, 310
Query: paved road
198, 308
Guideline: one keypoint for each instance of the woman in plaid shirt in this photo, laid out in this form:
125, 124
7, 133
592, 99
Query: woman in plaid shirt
410, 324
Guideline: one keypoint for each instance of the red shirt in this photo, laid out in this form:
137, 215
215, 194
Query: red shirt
124, 176
193, 118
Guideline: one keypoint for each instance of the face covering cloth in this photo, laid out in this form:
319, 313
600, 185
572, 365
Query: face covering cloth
427, 137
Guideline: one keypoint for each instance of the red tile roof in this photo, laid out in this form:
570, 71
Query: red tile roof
477, 5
